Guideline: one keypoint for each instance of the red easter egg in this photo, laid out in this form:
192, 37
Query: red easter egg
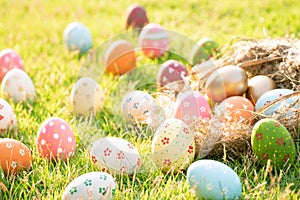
154, 40
235, 109
55, 139
170, 71
9, 59
191, 106
136, 17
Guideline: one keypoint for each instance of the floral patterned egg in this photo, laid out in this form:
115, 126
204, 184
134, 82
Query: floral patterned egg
7, 117
136, 107
154, 40
136, 17
235, 109
15, 156
115, 155
271, 140
17, 85
87, 97
191, 106
56, 139
92, 186
9, 59
173, 146
170, 71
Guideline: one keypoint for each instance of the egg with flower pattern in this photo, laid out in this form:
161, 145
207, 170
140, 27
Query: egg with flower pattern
56, 139
7, 117
92, 185
115, 155
15, 156
173, 146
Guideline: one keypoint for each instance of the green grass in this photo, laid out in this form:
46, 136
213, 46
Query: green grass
35, 30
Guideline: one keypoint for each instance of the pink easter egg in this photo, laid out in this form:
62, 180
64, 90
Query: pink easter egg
154, 40
191, 106
136, 17
170, 71
55, 139
9, 59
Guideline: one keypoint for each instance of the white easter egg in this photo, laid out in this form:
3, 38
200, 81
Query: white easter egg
173, 145
7, 116
87, 97
92, 185
115, 155
17, 85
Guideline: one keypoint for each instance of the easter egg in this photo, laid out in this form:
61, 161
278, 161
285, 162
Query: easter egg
211, 179
204, 69
190, 106
173, 146
235, 109
115, 155
87, 97
226, 82
271, 140
210, 46
9, 59
154, 40
136, 107
120, 57
270, 96
56, 139
257, 86
170, 71
15, 156
17, 85
92, 185
7, 117
77, 37
198, 54
136, 17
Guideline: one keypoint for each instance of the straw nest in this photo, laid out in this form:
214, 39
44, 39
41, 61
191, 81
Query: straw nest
277, 58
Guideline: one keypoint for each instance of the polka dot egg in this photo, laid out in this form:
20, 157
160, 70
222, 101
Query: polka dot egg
235, 109
56, 139
210, 179
14, 157
9, 59
92, 185
173, 146
87, 97
115, 155
7, 117
154, 40
77, 37
17, 85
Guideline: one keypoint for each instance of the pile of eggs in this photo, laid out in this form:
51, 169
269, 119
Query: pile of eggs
228, 95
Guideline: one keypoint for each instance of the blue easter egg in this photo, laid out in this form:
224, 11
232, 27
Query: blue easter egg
77, 37
271, 96
211, 179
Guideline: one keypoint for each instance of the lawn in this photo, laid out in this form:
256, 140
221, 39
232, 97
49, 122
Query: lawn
35, 30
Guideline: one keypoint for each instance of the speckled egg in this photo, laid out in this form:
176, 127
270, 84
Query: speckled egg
7, 117
271, 140
235, 109
17, 85
136, 107
56, 139
77, 37
9, 59
136, 17
115, 155
15, 156
190, 106
87, 97
270, 96
120, 57
92, 186
211, 179
170, 71
225, 82
154, 40
173, 146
